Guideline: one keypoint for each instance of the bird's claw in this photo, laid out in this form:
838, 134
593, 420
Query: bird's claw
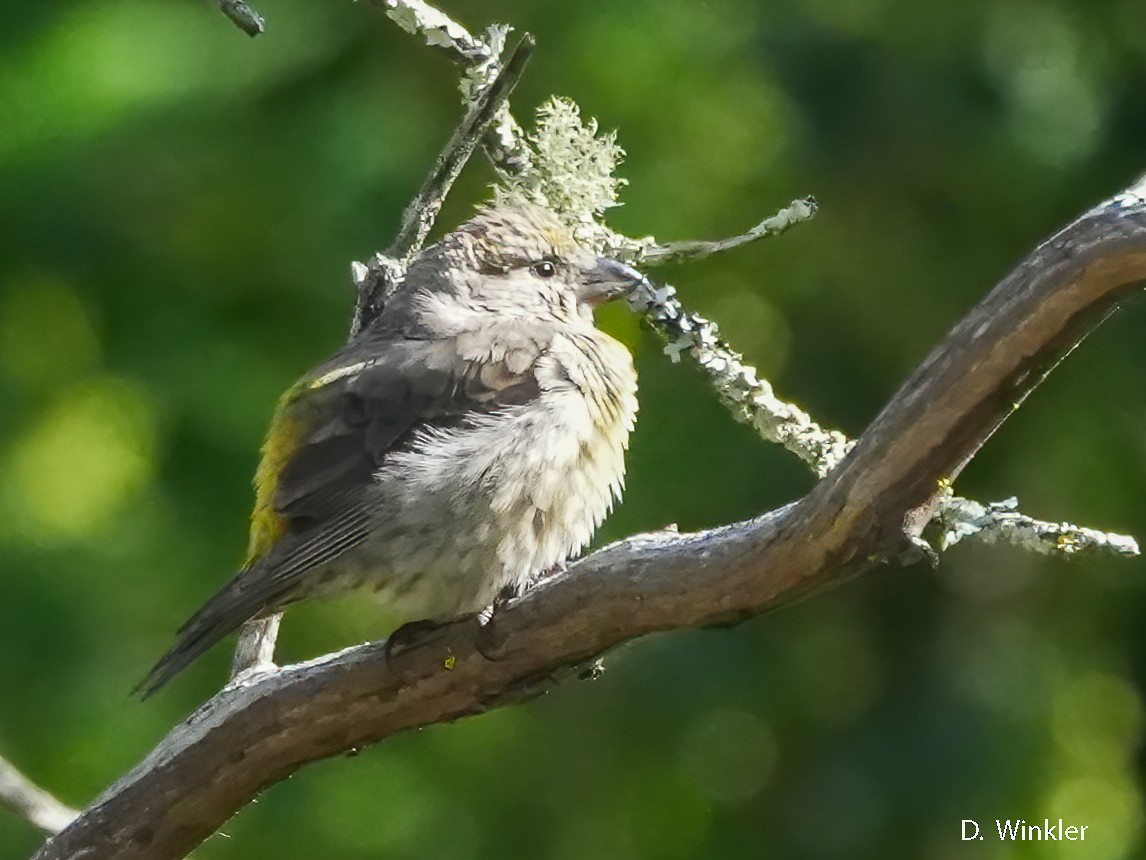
407, 637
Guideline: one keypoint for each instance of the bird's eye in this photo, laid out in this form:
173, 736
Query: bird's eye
544, 269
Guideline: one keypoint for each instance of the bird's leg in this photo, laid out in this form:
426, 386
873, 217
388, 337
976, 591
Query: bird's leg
487, 617
255, 650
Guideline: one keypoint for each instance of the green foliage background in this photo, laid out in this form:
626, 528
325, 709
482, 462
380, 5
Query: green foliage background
178, 209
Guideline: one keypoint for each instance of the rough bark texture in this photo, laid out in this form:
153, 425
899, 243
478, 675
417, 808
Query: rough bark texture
867, 511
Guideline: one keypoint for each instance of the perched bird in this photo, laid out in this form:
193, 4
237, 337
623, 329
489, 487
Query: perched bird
468, 440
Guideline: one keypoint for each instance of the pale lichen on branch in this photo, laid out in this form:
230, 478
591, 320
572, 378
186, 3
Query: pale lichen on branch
750, 399
1002, 522
438, 29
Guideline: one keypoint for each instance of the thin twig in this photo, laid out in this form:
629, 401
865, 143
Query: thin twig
31, 803
797, 212
242, 15
419, 216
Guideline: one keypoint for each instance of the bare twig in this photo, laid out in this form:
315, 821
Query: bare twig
797, 212
423, 210
31, 803
242, 15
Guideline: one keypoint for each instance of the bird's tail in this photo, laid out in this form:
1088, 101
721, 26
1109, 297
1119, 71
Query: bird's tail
233, 604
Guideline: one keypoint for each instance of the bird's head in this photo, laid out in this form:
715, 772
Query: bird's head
518, 258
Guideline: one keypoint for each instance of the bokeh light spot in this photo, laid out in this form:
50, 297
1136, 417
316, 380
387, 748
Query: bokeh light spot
1097, 720
85, 457
46, 335
729, 755
1046, 69
1111, 807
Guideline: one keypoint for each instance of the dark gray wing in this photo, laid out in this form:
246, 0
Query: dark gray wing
361, 409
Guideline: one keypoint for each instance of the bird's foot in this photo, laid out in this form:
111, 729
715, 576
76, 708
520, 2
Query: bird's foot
406, 637
500, 601
488, 644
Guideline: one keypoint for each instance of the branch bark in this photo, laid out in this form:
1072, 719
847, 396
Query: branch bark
867, 511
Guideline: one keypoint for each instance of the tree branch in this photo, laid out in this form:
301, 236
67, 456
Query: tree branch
30, 802
865, 512
797, 212
750, 399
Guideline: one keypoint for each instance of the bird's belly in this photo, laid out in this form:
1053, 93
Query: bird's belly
465, 512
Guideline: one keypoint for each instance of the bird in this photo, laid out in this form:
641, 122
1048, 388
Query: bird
470, 439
